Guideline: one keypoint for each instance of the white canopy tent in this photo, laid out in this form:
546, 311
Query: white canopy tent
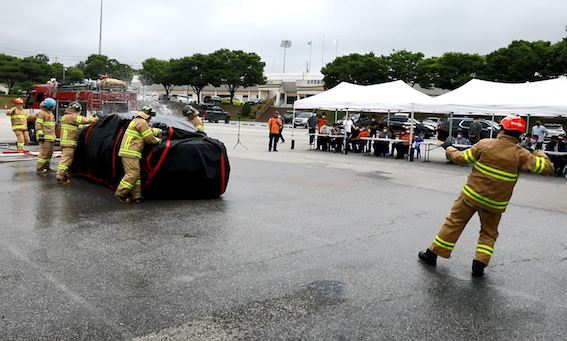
391, 96
542, 98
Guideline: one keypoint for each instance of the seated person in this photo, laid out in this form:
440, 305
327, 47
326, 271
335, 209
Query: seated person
323, 139
352, 137
382, 147
337, 142
402, 148
461, 139
559, 161
360, 143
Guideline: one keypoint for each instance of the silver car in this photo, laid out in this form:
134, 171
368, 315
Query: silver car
301, 119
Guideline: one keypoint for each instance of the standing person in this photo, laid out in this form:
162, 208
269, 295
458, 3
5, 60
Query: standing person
193, 118
539, 131
70, 122
45, 134
136, 136
274, 127
19, 119
348, 124
496, 163
281, 128
558, 146
312, 125
475, 130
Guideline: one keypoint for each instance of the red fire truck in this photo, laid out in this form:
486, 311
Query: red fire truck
103, 97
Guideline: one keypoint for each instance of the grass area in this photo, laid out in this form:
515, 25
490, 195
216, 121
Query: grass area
7, 101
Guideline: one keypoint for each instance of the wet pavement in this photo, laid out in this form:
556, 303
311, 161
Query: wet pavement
314, 248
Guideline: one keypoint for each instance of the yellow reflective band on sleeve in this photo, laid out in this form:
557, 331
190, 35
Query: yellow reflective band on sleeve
79, 119
443, 244
485, 249
19, 127
499, 205
126, 184
539, 166
40, 160
156, 131
469, 156
495, 173
39, 120
62, 167
15, 117
49, 123
147, 133
133, 133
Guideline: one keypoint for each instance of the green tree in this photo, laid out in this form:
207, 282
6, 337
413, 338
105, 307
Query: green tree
11, 71
403, 65
196, 71
355, 68
97, 65
454, 69
157, 71
236, 69
36, 68
558, 65
520, 61
72, 74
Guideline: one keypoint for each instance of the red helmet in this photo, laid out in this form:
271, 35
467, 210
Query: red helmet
512, 122
19, 101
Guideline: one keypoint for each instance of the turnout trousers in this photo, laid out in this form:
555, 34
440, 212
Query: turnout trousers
456, 221
67, 154
44, 157
22, 138
131, 183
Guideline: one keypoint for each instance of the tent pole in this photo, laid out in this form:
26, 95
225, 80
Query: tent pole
293, 128
410, 148
346, 134
336, 113
528, 124
450, 124
492, 126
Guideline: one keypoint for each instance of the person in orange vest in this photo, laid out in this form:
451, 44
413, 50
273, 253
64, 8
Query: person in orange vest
274, 127
137, 135
496, 166
321, 121
70, 122
19, 119
45, 134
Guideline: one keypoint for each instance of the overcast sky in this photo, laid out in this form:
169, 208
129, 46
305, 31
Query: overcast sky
134, 30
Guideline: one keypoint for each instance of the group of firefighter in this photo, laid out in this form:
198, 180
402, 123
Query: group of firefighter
137, 134
496, 164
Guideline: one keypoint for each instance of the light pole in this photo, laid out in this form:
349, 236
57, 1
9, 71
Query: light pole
285, 44
100, 30
64, 74
336, 42
310, 43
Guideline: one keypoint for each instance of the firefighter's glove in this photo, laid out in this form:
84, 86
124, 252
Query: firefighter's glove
447, 143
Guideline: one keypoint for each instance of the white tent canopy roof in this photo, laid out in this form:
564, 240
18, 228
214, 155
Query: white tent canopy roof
395, 96
542, 98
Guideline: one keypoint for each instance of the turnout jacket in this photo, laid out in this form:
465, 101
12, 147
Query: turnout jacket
45, 126
70, 127
137, 135
19, 118
496, 166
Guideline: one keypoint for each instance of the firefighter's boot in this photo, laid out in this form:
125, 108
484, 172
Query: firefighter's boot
478, 268
428, 257
124, 200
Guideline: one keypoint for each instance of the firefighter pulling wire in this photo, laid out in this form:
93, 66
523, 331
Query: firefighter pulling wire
136, 136
19, 119
496, 165
69, 135
45, 134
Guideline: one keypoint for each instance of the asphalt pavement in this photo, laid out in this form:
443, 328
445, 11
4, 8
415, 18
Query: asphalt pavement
304, 245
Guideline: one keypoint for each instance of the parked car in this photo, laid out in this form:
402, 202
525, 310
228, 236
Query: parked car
256, 101
287, 117
301, 119
554, 129
213, 99
213, 113
235, 101
182, 99
432, 121
463, 124
402, 123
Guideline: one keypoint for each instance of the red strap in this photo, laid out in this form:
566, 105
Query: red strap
94, 178
223, 173
161, 159
114, 153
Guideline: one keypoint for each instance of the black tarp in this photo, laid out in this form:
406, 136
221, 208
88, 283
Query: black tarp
185, 165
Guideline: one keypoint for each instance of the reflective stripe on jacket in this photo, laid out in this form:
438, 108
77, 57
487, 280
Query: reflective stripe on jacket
136, 136
45, 125
19, 118
69, 127
496, 166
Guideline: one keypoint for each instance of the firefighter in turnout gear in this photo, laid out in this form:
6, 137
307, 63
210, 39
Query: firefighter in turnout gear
69, 135
19, 119
496, 165
45, 134
136, 136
